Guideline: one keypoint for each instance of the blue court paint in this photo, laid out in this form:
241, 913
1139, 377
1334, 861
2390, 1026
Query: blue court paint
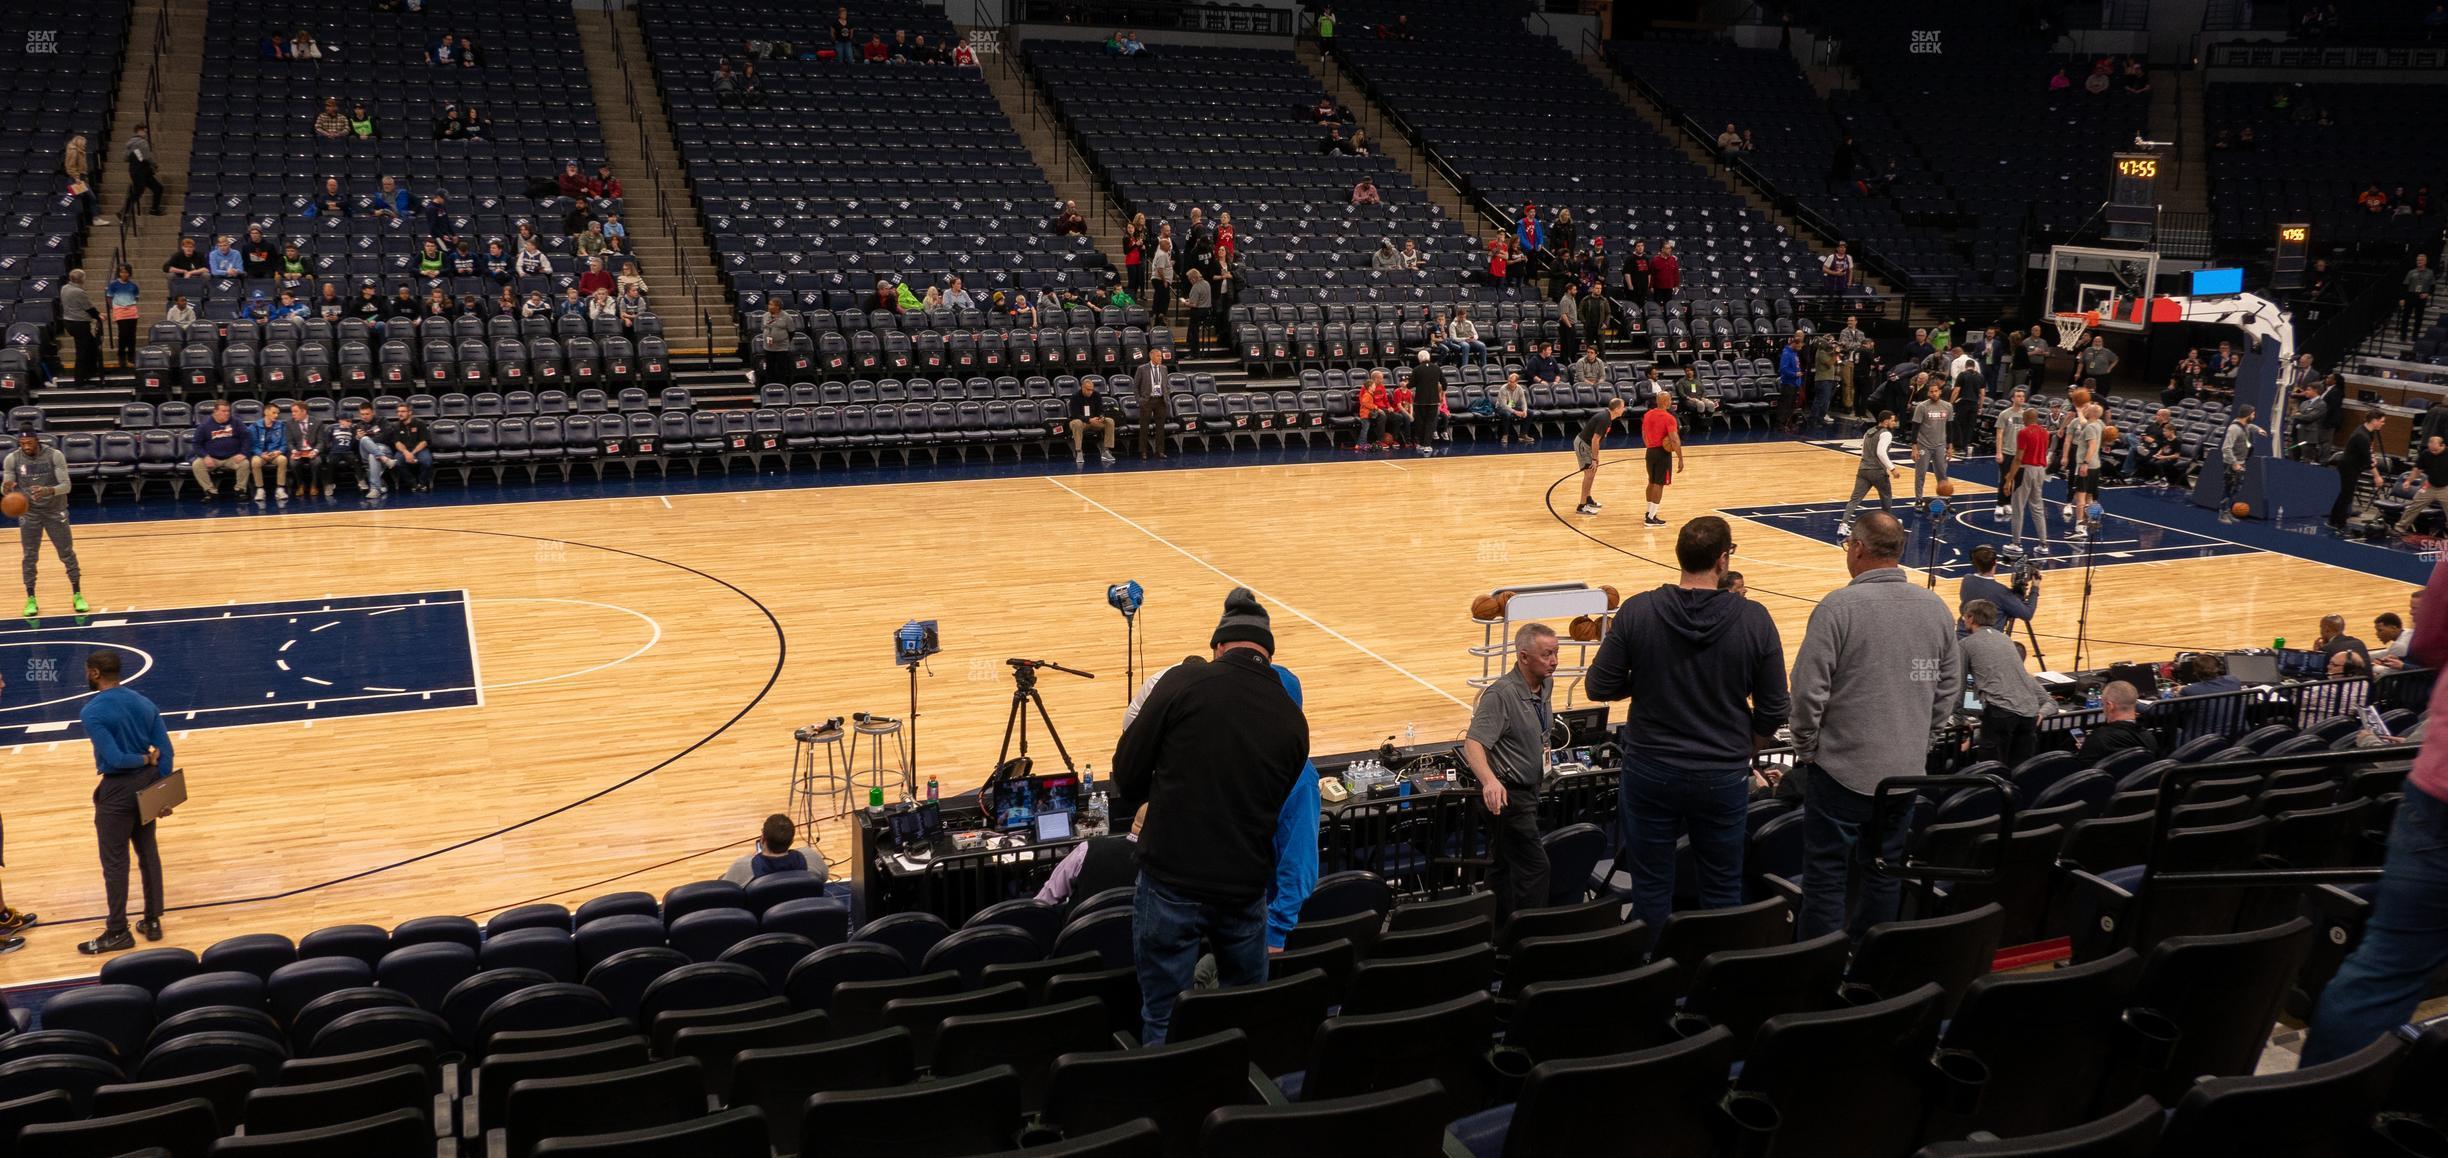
248, 663
1945, 544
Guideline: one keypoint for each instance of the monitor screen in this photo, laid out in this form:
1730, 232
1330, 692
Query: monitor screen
2217, 282
1020, 801
1053, 826
2252, 667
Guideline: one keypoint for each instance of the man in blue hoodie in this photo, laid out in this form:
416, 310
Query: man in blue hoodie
221, 444
1705, 671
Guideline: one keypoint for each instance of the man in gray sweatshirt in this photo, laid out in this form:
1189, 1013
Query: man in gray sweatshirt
1877, 676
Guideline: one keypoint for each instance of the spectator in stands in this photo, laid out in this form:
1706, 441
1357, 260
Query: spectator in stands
1729, 142
305, 440
504, 304
1891, 647
2137, 78
2415, 296
446, 125
773, 854
1356, 145
571, 305
595, 280
631, 304
75, 163
496, 265
2118, 730
1364, 192
1387, 259
290, 268
474, 125
726, 85
412, 444
535, 305
329, 306
774, 329
220, 444
179, 312
443, 52
1069, 222
2372, 199
1088, 415
845, 50
1665, 273
875, 51
1160, 277
1512, 403
1326, 25
274, 47
82, 323
1214, 752
569, 182
185, 263
287, 307
1465, 334
2430, 472
119, 297
1704, 670
404, 304
1413, 260
302, 46
590, 241
751, 93
1595, 313
361, 123
331, 124
2059, 81
963, 56
1836, 272
1541, 366
268, 453
1199, 299
1591, 370
258, 308
602, 307
900, 46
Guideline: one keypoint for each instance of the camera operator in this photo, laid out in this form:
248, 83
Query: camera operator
2011, 699
2018, 602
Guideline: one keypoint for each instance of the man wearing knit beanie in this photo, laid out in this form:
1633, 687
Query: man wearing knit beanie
1214, 750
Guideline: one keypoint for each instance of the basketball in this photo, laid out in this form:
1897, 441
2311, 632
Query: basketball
1584, 628
2079, 398
2241, 510
1946, 488
1614, 597
1485, 607
13, 504
1504, 599
2109, 434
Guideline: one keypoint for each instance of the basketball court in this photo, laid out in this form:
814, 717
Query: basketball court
446, 708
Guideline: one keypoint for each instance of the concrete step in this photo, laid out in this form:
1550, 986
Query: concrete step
1374, 120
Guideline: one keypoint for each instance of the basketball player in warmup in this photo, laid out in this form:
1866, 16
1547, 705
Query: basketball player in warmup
1663, 435
39, 475
2082, 463
2031, 475
1932, 417
1878, 469
2009, 421
1585, 451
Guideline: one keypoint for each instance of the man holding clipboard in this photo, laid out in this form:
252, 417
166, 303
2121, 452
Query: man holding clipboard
139, 784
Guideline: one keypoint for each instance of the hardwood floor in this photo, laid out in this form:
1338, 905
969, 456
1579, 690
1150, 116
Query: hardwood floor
644, 660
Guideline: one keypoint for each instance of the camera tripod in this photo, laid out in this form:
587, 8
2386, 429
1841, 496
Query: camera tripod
1024, 695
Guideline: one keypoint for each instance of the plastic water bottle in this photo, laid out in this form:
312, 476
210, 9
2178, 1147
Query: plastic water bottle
2091, 698
875, 799
932, 791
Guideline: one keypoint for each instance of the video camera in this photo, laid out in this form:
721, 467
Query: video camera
914, 641
2026, 576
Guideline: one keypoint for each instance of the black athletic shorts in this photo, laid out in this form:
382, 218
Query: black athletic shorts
1661, 467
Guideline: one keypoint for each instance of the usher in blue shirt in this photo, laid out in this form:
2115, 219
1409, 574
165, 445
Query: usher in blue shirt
122, 724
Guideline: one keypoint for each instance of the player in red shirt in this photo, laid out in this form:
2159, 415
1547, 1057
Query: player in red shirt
1664, 438
2031, 474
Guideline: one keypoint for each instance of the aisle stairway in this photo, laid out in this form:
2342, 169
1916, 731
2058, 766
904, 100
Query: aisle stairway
658, 207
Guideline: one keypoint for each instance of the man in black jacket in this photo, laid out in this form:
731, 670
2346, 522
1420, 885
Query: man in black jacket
1705, 671
2118, 728
1213, 753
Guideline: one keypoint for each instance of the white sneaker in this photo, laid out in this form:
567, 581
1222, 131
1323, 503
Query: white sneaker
1998, 512
1595, 505
1585, 509
1106, 457
102, 221
2069, 510
259, 493
1078, 459
281, 493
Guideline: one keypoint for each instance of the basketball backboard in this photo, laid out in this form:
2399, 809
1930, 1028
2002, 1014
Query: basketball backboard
2114, 284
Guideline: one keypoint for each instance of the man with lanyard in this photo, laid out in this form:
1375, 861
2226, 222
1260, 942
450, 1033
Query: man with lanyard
131, 751
1663, 436
2097, 362
1506, 748
1851, 341
1932, 417
2081, 461
1151, 381
41, 474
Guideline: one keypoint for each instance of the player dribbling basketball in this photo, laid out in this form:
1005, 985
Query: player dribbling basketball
1663, 435
39, 474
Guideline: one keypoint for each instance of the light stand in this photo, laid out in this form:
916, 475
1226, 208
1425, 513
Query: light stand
909, 777
1024, 694
1936, 510
2082, 618
1126, 597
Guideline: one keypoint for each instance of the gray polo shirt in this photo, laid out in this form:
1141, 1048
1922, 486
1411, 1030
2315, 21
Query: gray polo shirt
1511, 722
1929, 420
2096, 360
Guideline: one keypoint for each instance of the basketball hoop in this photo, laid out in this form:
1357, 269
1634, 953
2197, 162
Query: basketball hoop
2071, 324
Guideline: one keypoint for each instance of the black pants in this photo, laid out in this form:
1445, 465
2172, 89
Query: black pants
141, 178
1568, 343
2343, 508
2005, 736
115, 826
2410, 309
1519, 878
127, 341
88, 348
1509, 425
778, 368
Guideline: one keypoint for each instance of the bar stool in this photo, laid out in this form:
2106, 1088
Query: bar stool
820, 770
878, 736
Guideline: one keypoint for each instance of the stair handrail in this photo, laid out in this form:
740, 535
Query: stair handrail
672, 233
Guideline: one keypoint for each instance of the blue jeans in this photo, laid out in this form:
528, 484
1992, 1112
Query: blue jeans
378, 462
1167, 931
2404, 942
1657, 803
1836, 877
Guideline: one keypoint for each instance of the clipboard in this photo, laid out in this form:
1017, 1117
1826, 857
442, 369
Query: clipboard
155, 800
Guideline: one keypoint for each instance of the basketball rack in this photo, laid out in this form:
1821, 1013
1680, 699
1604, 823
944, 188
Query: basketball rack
1555, 604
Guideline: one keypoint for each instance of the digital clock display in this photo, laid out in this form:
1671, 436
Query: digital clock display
2146, 168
